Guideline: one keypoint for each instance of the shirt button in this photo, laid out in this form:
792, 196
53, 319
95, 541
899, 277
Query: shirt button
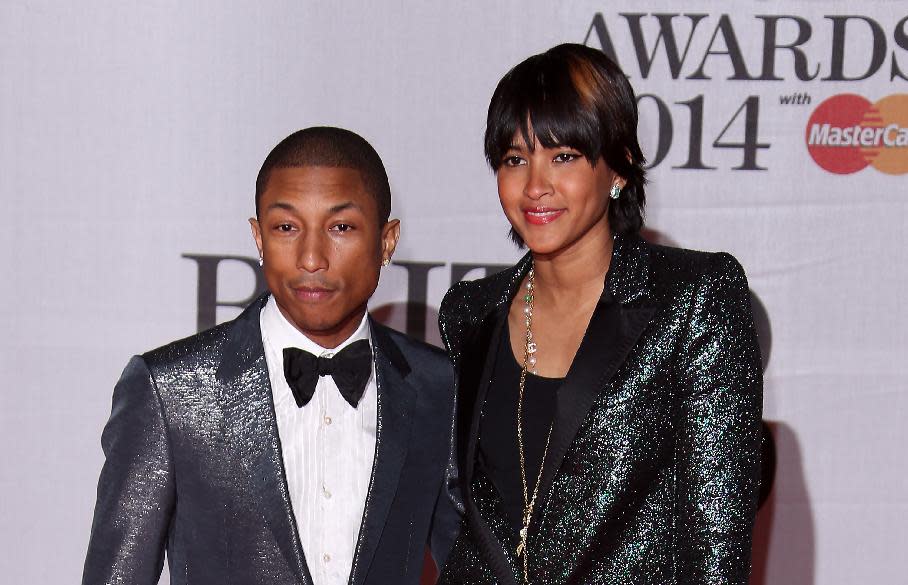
326, 557
327, 420
326, 493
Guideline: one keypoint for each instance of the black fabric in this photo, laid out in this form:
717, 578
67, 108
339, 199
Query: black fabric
350, 368
498, 448
473, 372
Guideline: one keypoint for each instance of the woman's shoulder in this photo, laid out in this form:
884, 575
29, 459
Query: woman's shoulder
672, 267
469, 301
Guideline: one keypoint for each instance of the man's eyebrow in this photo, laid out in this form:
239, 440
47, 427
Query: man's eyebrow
345, 206
281, 205
334, 209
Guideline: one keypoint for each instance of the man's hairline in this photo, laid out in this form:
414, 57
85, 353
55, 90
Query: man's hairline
382, 222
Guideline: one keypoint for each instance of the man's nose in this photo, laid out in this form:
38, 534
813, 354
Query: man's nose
312, 254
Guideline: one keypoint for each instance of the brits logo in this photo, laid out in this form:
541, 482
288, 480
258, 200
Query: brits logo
847, 133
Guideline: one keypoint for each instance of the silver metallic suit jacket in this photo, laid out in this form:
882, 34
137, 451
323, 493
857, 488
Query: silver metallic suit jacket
193, 465
652, 472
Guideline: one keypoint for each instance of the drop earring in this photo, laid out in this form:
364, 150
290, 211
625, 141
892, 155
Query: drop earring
261, 261
386, 262
615, 191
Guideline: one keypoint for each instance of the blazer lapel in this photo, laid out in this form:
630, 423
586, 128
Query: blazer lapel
251, 427
482, 363
622, 314
396, 398
474, 373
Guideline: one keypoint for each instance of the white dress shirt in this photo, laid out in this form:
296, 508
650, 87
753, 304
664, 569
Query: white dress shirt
328, 448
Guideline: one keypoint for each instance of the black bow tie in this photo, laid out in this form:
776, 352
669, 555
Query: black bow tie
351, 368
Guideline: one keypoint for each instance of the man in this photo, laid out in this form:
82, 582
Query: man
301, 442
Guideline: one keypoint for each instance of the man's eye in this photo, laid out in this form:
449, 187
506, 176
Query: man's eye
284, 227
512, 161
566, 157
342, 227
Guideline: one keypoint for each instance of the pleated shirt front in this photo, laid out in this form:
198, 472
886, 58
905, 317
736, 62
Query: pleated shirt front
328, 449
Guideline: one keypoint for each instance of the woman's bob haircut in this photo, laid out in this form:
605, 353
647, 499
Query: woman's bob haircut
575, 96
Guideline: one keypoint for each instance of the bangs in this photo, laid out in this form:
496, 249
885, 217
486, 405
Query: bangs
543, 100
573, 96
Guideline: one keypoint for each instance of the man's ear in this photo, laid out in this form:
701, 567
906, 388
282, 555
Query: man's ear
256, 234
390, 234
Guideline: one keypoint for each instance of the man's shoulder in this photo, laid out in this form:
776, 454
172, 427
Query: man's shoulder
194, 351
208, 345
411, 347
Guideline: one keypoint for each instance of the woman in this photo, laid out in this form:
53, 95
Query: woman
609, 389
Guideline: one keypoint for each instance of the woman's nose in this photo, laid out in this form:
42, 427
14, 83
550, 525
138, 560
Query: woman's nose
538, 182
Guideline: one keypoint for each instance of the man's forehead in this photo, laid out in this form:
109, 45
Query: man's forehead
316, 175
317, 190
315, 181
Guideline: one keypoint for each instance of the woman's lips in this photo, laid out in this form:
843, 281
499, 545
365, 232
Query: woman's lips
542, 215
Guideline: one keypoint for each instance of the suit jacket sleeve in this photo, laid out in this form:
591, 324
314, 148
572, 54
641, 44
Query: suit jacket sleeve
446, 517
718, 442
136, 488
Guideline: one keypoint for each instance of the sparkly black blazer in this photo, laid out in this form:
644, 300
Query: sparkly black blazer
193, 465
653, 468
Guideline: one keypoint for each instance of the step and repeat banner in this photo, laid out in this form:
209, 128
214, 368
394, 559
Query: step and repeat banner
131, 135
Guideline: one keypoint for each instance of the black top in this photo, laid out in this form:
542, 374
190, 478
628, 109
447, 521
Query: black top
498, 448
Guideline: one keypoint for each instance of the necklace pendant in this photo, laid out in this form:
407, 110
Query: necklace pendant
523, 541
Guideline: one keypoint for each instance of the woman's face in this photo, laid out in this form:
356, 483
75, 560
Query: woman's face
553, 197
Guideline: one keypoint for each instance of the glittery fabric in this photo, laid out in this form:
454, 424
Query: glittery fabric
653, 472
193, 465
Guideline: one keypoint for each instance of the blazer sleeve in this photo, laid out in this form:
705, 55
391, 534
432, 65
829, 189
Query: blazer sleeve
718, 441
136, 488
446, 517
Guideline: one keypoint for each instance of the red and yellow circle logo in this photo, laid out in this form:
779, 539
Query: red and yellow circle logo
847, 133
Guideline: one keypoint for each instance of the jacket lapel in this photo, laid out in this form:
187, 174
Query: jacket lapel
622, 314
612, 333
396, 398
474, 374
620, 317
477, 374
251, 428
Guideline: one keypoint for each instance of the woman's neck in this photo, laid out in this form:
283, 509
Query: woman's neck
574, 273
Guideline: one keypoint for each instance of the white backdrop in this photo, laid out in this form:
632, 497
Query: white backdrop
131, 134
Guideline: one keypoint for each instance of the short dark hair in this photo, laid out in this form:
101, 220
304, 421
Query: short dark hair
573, 95
326, 146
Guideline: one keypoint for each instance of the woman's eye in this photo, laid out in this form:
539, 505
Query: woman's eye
566, 157
512, 161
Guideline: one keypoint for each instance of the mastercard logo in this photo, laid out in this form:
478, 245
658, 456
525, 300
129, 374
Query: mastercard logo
847, 133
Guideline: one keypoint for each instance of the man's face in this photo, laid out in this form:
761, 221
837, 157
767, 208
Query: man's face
319, 236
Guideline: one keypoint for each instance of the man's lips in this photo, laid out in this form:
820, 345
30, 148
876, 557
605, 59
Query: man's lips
541, 215
311, 293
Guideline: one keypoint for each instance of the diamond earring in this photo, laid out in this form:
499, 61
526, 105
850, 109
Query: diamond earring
386, 262
615, 191
261, 261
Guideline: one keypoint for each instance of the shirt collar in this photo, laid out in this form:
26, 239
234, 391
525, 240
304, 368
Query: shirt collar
282, 333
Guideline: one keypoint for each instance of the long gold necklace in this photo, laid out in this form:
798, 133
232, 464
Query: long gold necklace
529, 363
